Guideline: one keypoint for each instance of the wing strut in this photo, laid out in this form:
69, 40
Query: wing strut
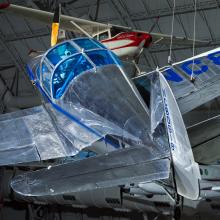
81, 29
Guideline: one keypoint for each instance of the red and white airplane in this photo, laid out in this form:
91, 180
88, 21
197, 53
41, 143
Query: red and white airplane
125, 42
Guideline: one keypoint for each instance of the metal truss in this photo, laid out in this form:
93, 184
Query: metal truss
42, 32
166, 12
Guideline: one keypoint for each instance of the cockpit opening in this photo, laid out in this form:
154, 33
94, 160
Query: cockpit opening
60, 52
66, 71
68, 59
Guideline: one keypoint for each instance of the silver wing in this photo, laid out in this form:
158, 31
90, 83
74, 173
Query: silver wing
29, 135
205, 87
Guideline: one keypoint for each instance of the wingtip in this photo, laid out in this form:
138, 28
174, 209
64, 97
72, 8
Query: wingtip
4, 5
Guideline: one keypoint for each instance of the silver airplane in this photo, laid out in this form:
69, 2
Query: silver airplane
146, 163
94, 115
123, 142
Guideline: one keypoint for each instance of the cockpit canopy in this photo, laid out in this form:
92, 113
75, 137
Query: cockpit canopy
65, 61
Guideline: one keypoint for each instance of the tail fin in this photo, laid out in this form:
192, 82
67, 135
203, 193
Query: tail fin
186, 170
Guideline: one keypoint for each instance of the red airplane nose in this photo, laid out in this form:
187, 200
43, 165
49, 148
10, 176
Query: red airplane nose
4, 5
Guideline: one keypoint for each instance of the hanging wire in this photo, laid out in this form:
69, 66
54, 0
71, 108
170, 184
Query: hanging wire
192, 78
171, 39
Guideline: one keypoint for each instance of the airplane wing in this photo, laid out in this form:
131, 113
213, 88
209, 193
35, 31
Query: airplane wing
159, 38
91, 27
191, 94
47, 17
29, 135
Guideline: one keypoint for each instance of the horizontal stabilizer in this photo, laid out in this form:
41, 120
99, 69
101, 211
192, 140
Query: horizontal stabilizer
127, 166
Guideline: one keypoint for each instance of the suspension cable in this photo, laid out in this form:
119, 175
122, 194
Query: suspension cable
171, 36
192, 78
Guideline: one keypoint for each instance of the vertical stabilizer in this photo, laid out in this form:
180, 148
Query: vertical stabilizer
186, 170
